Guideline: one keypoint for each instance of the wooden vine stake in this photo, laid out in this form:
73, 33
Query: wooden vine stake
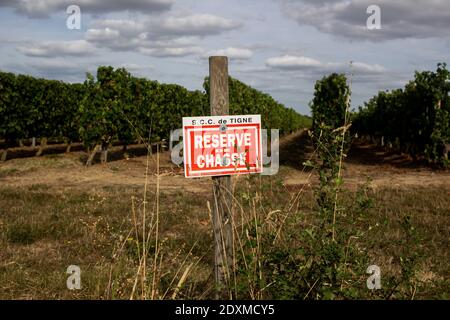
222, 189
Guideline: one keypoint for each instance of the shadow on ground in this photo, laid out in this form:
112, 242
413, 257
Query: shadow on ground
115, 153
295, 150
371, 155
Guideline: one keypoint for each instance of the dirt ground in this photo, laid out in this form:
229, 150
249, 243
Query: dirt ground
385, 168
55, 212
63, 171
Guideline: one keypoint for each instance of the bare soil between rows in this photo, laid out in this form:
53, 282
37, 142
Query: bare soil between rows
65, 171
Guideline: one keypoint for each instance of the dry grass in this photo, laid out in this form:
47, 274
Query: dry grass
46, 226
43, 232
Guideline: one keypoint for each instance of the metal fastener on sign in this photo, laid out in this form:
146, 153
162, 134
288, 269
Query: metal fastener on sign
223, 128
225, 161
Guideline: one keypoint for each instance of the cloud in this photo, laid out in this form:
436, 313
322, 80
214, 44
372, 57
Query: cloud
57, 69
314, 67
124, 39
200, 25
58, 49
368, 68
347, 18
44, 8
159, 37
197, 24
133, 66
293, 62
177, 42
112, 39
232, 53
171, 52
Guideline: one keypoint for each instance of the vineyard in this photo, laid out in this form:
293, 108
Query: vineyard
348, 194
414, 120
114, 106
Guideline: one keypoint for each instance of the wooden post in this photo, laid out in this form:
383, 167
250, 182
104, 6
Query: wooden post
222, 189
4, 154
104, 154
69, 146
92, 153
446, 150
42, 146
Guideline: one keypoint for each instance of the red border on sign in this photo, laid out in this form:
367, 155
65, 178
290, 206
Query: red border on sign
254, 168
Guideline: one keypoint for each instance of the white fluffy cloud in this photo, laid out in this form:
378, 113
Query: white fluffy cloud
347, 18
57, 48
159, 37
293, 62
191, 25
112, 39
290, 62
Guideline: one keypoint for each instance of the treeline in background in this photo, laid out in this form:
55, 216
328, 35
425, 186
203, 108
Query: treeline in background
116, 106
413, 120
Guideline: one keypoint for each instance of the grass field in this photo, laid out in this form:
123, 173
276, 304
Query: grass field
54, 212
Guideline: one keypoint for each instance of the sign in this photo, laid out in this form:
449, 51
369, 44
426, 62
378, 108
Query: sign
222, 145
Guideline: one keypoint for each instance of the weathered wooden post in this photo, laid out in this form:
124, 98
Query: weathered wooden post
222, 189
42, 146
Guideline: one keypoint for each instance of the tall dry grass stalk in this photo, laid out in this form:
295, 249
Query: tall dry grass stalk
151, 230
250, 220
344, 128
156, 254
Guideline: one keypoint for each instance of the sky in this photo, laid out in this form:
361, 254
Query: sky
281, 47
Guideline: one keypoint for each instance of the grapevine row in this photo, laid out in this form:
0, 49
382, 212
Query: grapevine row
414, 120
116, 106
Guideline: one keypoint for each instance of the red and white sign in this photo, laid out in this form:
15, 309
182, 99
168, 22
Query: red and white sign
222, 145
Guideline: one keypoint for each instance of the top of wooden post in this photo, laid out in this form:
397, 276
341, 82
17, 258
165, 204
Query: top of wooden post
218, 89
